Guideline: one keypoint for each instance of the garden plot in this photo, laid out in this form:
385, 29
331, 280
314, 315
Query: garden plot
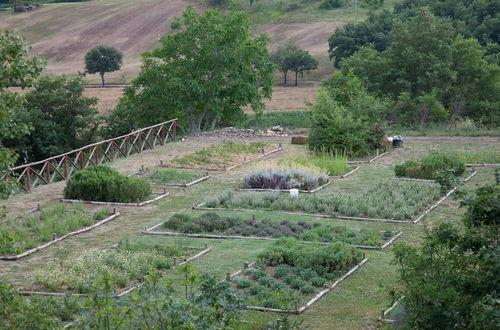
171, 176
23, 235
384, 200
125, 265
213, 225
289, 276
225, 156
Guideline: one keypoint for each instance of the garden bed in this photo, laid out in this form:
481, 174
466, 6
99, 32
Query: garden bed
162, 195
290, 277
224, 156
327, 206
20, 237
125, 264
212, 225
172, 177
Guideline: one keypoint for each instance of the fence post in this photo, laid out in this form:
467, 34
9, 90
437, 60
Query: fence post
47, 171
65, 167
28, 179
80, 155
175, 130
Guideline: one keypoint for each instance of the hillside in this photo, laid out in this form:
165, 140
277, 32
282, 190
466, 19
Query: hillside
64, 32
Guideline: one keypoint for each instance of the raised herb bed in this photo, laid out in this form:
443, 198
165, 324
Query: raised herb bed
23, 235
289, 276
225, 156
125, 265
172, 176
213, 225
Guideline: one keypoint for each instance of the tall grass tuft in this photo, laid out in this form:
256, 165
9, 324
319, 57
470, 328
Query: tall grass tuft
333, 163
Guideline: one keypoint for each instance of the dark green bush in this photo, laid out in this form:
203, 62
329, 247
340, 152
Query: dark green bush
430, 167
332, 4
102, 183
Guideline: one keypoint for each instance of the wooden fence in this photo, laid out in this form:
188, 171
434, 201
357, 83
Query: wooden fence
62, 166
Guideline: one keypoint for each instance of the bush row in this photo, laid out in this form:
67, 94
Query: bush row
430, 167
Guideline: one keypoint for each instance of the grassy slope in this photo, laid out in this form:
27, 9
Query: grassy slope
353, 305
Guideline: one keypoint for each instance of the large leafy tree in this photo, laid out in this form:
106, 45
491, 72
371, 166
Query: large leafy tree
16, 69
204, 74
62, 118
102, 59
452, 280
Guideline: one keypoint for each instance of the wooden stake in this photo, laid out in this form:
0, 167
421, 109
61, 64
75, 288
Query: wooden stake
228, 277
175, 261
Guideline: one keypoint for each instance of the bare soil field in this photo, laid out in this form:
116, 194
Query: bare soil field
64, 32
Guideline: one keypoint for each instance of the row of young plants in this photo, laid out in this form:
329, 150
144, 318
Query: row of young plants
123, 265
386, 199
24, 232
213, 223
223, 155
289, 273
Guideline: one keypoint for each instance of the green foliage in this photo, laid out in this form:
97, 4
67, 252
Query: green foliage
203, 84
169, 176
220, 154
102, 183
335, 258
331, 4
345, 118
334, 163
155, 305
102, 59
285, 177
61, 117
21, 233
215, 224
292, 58
430, 166
286, 119
16, 70
386, 199
452, 278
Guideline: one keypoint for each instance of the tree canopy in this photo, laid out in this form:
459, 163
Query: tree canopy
204, 74
16, 69
102, 59
295, 59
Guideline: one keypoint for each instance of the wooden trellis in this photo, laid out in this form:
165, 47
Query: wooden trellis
62, 166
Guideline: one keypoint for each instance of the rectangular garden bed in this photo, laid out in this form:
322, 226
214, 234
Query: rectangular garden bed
171, 176
161, 195
212, 225
224, 156
281, 284
125, 264
385, 202
25, 235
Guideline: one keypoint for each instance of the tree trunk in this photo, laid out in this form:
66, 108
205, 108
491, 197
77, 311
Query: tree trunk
286, 74
296, 74
102, 78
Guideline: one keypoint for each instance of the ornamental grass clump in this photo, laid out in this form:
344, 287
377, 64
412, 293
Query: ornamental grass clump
285, 177
430, 167
334, 163
104, 184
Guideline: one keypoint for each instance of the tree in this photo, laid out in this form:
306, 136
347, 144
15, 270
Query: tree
300, 61
15, 70
62, 118
452, 281
102, 59
280, 57
204, 74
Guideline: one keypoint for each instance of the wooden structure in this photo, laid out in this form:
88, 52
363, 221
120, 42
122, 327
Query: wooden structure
61, 167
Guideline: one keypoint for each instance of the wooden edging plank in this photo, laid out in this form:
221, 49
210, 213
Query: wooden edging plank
483, 165
162, 195
43, 246
387, 311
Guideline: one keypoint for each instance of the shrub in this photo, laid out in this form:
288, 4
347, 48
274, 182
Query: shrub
332, 4
280, 271
317, 281
307, 289
243, 283
102, 183
285, 177
430, 167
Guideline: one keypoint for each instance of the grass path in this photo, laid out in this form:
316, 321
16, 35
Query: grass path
354, 304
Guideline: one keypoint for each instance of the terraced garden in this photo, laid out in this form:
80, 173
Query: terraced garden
122, 251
